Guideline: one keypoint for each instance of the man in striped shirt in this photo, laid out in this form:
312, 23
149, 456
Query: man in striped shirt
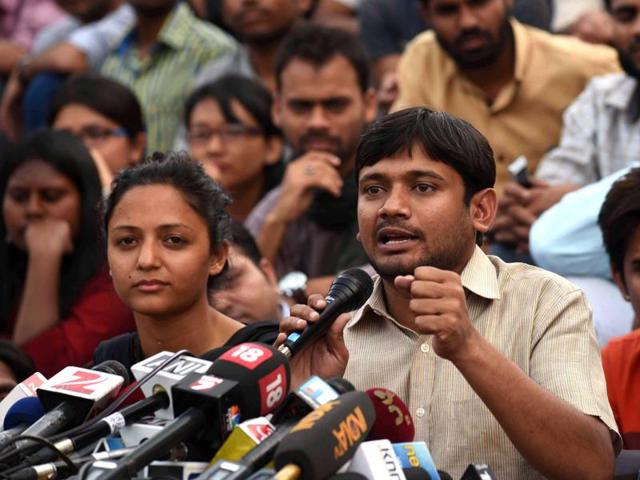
159, 58
498, 362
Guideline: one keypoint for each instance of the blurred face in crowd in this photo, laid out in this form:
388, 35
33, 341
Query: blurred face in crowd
249, 293
626, 34
102, 135
159, 252
86, 10
152, 8
411, 212
234, 154
35, 192
472, 32
322, 108
262, 20
628, 281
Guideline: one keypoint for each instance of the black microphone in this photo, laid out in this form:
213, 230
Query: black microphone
325, 439
348, 292
109, 425
208, 405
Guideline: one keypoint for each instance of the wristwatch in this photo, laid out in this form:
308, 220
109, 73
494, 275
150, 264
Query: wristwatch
293, 285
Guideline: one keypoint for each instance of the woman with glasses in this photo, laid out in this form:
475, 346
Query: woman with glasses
230, 131
106, 116
57, 301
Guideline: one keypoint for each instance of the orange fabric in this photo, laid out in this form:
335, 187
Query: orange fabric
621, 362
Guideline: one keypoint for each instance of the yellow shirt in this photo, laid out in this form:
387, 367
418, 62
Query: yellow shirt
537, 319
526, 116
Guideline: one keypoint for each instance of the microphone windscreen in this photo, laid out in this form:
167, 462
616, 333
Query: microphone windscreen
351, 288
393, 420
262, 373
24, 412
114, 368
327, 437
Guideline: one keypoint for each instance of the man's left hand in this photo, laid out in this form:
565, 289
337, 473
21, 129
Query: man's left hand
440, 308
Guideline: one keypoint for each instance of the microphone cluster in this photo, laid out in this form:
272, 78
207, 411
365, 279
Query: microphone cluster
232, 419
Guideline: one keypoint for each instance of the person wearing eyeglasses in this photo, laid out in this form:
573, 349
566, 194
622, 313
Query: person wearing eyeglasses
107, 117
230, 131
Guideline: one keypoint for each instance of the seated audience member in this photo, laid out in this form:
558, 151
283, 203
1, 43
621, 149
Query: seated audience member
20, 23
230, 130
601, 135
386, 26
77, 43
567, 240
511, 81
106, 116
248, 292
261, 26
620, 223
323, 103
159, 58
166, 228
497, 361
56, 298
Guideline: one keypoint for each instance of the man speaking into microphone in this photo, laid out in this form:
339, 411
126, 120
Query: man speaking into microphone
498, 362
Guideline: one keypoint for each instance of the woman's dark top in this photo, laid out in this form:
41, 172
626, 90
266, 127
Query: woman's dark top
126, 348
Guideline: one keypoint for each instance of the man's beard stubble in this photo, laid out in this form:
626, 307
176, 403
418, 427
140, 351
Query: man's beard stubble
487, 55
447, 255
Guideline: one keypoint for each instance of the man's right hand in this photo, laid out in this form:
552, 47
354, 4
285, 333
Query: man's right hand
311, 171
328, 355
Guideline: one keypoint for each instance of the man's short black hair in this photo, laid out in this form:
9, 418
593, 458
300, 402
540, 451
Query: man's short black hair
317, 45
620, 217
441, 136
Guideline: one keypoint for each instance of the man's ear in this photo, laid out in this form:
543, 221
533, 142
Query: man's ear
482, 208
370, 105
218, 259
618, 278
269, 272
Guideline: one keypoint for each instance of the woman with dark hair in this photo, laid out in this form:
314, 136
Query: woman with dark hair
56, 298
166, 228
229, 130
106, 115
